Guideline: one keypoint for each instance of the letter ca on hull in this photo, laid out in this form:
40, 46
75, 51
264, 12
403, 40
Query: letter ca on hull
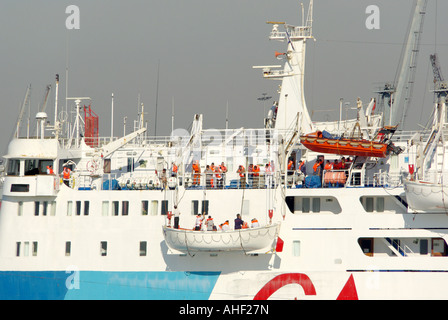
348, 292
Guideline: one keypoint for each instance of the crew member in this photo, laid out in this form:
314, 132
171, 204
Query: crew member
66, 176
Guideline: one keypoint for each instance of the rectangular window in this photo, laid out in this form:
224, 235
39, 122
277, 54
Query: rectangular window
296, 248
20, 188
154, 207
369, 204
143, 248
34, 248
306, 205
17, 249
53, 208
68, 248
86, 208
115, 207
145, 206
44, 208
423, 246
316, 204
164, 207
36, 208
69, 208
26, 248
194, 207
105, 208
103, 248
380, 204
205, 207
78, 208
125, 208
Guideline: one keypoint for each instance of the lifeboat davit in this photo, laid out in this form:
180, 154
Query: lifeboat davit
318, 142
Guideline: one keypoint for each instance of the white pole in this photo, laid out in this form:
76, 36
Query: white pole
112, 119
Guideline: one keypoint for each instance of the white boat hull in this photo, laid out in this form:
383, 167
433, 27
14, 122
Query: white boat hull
245, 240
426, 197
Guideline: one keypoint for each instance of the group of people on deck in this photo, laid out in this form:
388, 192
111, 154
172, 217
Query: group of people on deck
254, 172
208, 224
214, 175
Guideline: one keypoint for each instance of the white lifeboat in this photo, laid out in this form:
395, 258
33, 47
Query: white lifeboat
251, 240
425, 197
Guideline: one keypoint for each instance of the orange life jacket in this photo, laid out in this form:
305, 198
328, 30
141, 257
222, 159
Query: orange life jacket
256, 171
196, 168
66, 173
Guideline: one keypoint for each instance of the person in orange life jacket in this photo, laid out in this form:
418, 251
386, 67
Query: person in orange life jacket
210, 224
224, 171
225, 226
291, 167
254, 223
256, 176
337, 165
196, 173
50, 170
173, 169
242, 172
66, 176
328, 165
302, 167
317, 168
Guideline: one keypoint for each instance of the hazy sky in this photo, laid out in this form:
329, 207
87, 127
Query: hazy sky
205, 50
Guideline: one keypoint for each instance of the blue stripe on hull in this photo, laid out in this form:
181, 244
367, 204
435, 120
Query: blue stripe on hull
57, 285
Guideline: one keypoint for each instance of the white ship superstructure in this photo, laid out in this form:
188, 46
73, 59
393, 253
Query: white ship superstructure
107, 231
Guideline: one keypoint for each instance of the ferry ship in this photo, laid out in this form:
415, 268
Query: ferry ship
140, 217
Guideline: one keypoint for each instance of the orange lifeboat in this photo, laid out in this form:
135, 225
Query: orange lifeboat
317, 142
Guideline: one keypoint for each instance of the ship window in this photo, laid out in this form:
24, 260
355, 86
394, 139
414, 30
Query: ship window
36, 208
125, 208
439, 247
305, 205
17, 249
316, 204
115, 207
53, 208
20, 209
13, 168
145, 207
69, 208
78, 208
105, 208
68, 248
26, 248
103, 248
34, 248
366, 245
143, 248
44, 208
164, 207
373, 204
20, 187
194, 207
424, 246
86, 207
296, 248
154, 207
